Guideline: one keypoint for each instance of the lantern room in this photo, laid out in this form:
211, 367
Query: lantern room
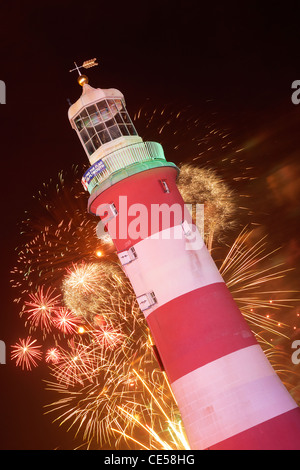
102, 122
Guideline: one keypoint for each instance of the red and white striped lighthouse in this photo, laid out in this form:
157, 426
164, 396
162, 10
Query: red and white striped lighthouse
228, 394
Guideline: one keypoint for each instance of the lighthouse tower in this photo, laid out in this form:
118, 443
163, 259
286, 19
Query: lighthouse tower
228, 394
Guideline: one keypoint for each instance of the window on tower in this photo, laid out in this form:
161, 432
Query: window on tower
103, 122
165, 186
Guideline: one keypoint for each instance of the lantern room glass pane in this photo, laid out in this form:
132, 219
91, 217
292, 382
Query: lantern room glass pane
92, 110
86, 121
112, 106
126, 118
104, 110
114, 132
91, 131
90, 148
104, 136
83, 114
131, 129
110, 123
96, 142
95, 119
119, 119
119, 104
78, 123
123, 129
100, 127
84, 135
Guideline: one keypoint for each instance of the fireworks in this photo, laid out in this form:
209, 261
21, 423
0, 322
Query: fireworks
82, 278
108, 337
93, 381
203, 186
59, 232
74, 364
96, 292
158, 402
246, 271
52, 355
41, 308
86, 409
131, 406
66, 321
105, 377
122, 392
25, 354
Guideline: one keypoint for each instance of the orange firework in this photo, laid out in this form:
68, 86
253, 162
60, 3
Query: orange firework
75, 364
108, 337
82, 277
66, 321
41, 308
25, 354
52, 355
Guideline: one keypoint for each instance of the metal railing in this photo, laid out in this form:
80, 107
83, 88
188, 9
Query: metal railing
122, 158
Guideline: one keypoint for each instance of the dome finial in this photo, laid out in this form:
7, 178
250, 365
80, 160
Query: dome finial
83, 79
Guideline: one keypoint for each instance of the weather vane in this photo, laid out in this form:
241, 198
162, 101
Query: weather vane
87, 64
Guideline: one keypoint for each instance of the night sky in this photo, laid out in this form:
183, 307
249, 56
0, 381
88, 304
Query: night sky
243, 58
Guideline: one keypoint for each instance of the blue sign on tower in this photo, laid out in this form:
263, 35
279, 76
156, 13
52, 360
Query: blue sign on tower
94, 170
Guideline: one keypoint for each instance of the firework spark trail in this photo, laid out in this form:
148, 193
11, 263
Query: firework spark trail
41, 308
82, 278
246, 270
52, 355
66, 321
91, 408
25, 354
174, 427
58, 233
108, 337
117, 404
76, 364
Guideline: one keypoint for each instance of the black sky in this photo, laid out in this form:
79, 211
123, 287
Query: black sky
243, 56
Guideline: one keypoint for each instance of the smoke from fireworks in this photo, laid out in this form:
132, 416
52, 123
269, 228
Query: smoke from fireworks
203, 186
91, 289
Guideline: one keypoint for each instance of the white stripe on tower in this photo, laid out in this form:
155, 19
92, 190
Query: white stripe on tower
230, 395
170, 264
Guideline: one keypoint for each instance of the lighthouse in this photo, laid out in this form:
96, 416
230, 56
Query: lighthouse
228, 395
